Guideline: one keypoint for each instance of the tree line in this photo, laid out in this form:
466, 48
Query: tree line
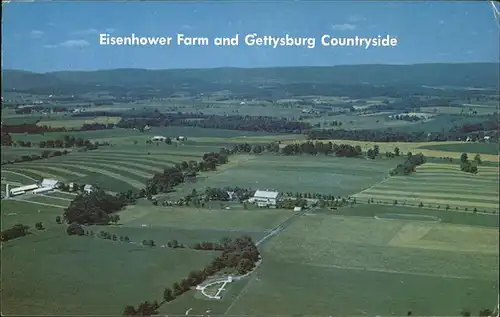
409, 166
390, 135
239, 254
173, 176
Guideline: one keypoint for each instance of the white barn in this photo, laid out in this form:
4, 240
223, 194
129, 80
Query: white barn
265, 198
49, 183
22, 189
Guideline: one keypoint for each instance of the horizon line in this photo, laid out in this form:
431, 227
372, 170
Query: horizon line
237, 67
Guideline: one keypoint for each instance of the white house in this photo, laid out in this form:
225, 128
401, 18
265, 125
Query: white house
265, 198
50, 183
88, 188
159, 138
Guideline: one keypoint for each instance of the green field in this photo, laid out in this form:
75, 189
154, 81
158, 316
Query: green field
440, 185
318, 174
92, 267
373, 267
68, 275
470, 148
429, 261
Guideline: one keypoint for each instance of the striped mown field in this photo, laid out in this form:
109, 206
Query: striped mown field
109, 169
439, 186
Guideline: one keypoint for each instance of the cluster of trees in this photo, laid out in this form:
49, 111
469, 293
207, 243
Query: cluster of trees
408, 167
34, 157
208, 246
341, 150
95, 207
222, 194
391, 135
69, 141
290, 203
373, 152
489, 123
240, 254
173, 176
469, 166
31, 128
16, 231
144, 309
96, 126
247, 123
409, 118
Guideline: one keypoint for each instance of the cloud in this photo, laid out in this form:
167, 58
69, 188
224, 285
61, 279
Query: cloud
344, 27
69, 44
92, 31
36, 34
187, 27
356, 18
86, 32
441, 22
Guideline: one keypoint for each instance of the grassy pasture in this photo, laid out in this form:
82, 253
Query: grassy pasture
71, 274
319, 174
14, 212
194, 218
11, 153
440, 185
74, 122
373, 267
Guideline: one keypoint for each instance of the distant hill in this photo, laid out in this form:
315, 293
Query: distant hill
481, 75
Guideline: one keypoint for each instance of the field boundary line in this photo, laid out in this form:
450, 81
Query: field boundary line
387, 178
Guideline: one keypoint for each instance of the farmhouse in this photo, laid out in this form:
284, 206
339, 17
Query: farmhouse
158, 138
88, 188
265, 198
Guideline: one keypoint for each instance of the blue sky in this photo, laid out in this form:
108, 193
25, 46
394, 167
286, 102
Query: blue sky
49, 36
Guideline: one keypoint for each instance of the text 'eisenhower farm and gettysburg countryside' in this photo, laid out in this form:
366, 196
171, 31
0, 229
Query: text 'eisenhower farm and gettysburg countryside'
250, 39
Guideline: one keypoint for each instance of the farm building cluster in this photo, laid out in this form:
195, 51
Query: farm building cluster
46, 185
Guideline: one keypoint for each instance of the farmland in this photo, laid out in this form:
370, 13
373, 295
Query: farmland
387, 267
70, 123
326, 175
363, 242
440, 186
73, 279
